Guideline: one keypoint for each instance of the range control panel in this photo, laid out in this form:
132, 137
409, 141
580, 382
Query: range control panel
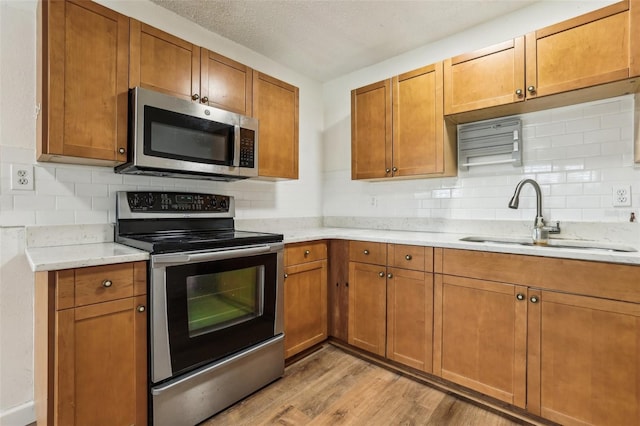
177, 202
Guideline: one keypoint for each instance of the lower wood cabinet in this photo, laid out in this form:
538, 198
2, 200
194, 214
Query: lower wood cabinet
480, 336
391, 302
91, 346
338, 289
536, 344
305, 296
584, 357
368, 307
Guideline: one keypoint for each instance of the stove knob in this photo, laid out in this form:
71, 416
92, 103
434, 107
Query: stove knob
150, 200
223, 203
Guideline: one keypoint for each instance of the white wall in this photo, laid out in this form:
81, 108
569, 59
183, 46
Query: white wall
67, 194
577, 153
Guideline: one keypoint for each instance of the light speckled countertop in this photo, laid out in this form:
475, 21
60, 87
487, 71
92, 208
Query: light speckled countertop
79, 255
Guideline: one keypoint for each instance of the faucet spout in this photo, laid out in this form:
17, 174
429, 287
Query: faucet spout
515, 200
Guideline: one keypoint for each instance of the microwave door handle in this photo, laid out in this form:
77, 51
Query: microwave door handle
235, 161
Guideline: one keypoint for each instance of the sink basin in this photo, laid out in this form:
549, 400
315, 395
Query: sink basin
554, 243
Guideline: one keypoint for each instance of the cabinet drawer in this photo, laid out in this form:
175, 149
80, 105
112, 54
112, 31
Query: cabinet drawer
85, 286
304, 252
417, 258
367, 252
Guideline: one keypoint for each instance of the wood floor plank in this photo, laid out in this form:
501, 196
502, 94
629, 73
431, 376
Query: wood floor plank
331, 387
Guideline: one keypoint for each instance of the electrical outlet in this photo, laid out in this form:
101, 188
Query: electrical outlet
22, 177
622, 196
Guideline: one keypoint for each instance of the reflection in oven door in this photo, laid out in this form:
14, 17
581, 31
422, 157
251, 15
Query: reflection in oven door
209, 307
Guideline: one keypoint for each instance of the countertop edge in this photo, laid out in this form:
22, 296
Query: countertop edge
95, 254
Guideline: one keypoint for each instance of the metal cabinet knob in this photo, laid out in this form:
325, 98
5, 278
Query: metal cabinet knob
121, 150
387, 170
534, 299
389, 275
307, 253
519, 92
531, 89
381, 274
520, 296
366, 252
141, 308
107, 283
408, 257
395, 169
195, 96
204, 100
286, 275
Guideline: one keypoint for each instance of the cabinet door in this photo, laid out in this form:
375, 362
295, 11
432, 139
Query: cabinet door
99, 364
485, 78
410, 318
275, 105
367, 307
84, 83
305, 306
418, 137
371, 134
599, 47
480, 336
163, 62
338, 289
225, 83
583, 360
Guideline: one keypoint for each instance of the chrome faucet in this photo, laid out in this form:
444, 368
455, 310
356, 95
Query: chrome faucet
540, 231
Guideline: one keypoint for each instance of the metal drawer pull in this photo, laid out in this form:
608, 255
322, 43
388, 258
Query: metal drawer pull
107, 283
534, 299
520, 296
381, 274
408, 257
366, 252
390, 276
141, 308
286, 275
307, 253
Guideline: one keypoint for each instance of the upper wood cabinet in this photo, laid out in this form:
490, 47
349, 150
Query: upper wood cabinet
225, 83
82, 83
397, 127
593, 56
592, 49
488, 77
275, 105
163, 62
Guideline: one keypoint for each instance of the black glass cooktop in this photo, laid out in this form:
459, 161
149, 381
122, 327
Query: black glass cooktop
178, 241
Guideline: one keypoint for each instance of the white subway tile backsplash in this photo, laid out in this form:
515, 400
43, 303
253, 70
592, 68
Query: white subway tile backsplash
550, 129
56, 217
567, 140
583, 125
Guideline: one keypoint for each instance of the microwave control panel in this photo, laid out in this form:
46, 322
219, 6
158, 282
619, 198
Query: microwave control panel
247, 148
177, 202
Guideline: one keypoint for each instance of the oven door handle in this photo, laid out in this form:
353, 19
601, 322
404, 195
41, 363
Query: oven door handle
182, 259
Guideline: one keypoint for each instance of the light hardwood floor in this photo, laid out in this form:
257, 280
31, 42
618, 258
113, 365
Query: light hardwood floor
331, 387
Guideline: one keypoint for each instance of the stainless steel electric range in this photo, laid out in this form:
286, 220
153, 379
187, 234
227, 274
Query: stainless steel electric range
215, 302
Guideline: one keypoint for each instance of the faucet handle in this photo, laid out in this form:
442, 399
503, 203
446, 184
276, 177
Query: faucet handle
553, 229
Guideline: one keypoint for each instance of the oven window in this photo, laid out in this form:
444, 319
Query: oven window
170, 134
222, 299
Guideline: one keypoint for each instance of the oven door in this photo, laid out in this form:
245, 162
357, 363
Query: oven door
206, 306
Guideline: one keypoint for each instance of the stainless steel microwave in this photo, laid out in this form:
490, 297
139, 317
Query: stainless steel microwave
169, 136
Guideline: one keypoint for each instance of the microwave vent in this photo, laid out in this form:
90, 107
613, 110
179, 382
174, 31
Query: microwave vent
490, 142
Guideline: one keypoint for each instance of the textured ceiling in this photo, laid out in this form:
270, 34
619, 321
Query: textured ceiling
324, 39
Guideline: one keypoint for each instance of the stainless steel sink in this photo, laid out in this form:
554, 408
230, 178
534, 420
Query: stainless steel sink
554, 243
